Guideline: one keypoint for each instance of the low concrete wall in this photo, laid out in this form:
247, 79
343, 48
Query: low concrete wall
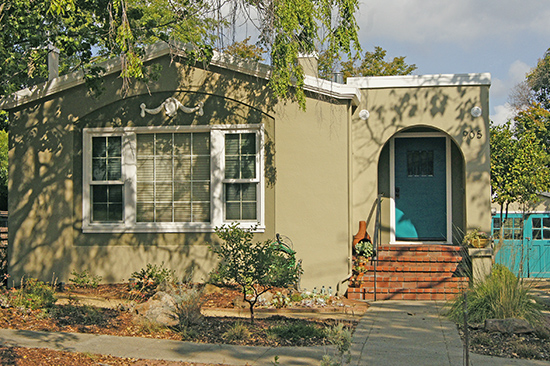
482, 262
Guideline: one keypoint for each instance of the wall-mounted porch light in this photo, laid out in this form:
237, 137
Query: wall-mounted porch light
364, 114
476, 112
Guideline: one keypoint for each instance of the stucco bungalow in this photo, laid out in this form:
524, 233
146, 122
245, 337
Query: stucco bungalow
112, 183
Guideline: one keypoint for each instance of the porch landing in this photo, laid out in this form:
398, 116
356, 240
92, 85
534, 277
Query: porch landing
412, 272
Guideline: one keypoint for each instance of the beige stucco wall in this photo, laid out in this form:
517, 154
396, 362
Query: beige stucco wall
306, 189
541, 205
446, 109
312, 193
321, 169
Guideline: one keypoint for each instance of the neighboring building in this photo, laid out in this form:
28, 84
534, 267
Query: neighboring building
526, 238
112, 183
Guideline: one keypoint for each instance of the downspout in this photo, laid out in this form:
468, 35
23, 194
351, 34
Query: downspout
350, 205
53, 62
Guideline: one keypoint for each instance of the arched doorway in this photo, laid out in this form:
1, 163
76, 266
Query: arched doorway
421, 171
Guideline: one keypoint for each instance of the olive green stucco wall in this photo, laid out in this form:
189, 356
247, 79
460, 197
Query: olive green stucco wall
46, 173
312, 190
323, 169
439, 108
306, 176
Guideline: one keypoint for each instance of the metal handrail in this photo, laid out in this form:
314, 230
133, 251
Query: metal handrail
376, 238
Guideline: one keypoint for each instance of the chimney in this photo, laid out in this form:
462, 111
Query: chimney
338, 77
53, 62
309, 63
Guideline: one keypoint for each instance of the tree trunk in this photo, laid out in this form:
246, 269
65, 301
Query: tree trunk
251, 311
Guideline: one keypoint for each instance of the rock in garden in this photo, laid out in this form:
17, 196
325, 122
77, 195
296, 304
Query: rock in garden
211, 289
509, 326
159, 309
239, 303
266, 298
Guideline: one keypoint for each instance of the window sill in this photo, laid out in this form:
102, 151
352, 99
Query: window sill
162, 228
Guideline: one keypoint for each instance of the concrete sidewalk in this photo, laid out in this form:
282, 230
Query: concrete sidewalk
414, 333
390, 333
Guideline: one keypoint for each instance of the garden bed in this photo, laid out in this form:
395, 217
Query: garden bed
75, 311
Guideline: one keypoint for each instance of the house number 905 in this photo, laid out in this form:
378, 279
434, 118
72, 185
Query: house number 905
473, 134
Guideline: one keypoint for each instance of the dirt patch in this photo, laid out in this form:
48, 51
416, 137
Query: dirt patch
15, 356
535, 346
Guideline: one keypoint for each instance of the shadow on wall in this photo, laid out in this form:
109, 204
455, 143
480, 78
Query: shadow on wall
430, 107
46, 171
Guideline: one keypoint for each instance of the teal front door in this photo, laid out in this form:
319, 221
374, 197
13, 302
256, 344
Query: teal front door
420, 191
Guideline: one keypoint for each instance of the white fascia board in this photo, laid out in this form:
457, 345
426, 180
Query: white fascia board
73, 79
232, 63
415, 81
65, 82
332, 89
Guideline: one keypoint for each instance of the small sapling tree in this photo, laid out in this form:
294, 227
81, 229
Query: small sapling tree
255, 268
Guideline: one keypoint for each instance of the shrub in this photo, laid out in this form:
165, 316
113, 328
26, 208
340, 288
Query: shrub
148, 279
296, 297
238, 332
256, 268
297, 331
85, 279
280, 300
502, 295
188, 307
340, 337
33, 294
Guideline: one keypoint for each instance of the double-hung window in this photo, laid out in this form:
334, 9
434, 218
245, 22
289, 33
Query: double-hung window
241, 178
106, 185
172, 179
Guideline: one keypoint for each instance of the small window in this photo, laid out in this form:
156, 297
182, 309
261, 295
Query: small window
420, 163
241, 183
540, 228
240, 201
106, 158
107, 189
107, 203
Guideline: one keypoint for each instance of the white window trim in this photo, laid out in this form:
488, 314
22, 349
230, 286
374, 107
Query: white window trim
217, 156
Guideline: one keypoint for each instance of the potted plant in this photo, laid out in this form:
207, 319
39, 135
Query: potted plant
476, 239
364, 249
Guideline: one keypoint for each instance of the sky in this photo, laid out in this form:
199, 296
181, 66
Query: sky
503, 37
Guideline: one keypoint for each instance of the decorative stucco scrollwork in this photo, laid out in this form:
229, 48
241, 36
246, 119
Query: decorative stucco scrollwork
171, 106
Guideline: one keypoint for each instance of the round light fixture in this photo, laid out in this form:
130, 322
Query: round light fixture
476, 112
364, 114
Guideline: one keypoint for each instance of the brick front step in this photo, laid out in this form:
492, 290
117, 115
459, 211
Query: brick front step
408, 277
404, 293
411, 272
413, 267
403, 296
426, 284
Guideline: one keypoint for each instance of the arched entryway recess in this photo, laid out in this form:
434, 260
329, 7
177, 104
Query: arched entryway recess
421, 177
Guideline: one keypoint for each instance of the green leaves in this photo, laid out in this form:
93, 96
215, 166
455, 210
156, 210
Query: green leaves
88, 31
519, 162
256, 268
294, 27
539, 80
375, 64
61, 7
